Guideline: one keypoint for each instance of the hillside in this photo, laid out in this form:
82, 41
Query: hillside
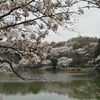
80, 49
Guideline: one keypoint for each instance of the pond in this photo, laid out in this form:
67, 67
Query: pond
50, 85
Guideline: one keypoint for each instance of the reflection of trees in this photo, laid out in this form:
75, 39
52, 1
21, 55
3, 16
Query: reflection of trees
97, 87
75, 89
82, 89
20, 88
78, 89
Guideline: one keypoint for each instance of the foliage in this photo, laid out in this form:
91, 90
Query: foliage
59, 44
82, 50
97, 64
96, 60
97, 52
79, 53
79, 42
54, 62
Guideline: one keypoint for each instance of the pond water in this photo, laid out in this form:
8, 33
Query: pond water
50, 85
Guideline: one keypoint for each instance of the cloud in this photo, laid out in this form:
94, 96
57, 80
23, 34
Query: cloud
88, 25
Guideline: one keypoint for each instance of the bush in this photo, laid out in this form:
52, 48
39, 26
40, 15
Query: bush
54, 62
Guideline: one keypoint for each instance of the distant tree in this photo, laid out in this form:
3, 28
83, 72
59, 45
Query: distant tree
54, 62
83, 50
64, 62
96, 63
97, 58
59, 44
97, 52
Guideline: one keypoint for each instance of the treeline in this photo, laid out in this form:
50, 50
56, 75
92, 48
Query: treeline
80, 49
79, 42
83, 50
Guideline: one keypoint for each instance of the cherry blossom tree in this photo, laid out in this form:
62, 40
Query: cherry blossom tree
64, 61
30, 21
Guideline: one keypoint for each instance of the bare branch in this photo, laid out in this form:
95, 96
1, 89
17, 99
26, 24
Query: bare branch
7, 61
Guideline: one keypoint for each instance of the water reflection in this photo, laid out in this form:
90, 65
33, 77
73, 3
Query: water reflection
79, 86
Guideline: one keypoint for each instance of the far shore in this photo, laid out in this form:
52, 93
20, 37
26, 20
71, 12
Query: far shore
71, 69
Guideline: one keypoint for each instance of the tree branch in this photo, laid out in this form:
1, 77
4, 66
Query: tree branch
15, 9
10, 64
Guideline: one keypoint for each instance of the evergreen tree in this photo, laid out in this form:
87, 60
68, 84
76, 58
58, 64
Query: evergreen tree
97, 52
97, 58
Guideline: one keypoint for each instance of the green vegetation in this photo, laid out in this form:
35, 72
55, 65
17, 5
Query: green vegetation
97, 52
59, 44
83, 50
79, 42
54, 62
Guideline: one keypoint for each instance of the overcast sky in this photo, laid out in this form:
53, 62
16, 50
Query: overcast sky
88, 25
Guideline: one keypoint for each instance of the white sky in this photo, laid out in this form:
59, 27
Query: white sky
88, 25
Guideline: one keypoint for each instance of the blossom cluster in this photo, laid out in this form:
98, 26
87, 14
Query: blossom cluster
58, 50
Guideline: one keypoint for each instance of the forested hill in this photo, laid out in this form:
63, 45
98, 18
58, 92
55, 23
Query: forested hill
77, 42
82, 50
80, 42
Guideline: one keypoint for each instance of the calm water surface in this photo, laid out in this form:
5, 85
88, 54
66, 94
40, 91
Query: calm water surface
50, 85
